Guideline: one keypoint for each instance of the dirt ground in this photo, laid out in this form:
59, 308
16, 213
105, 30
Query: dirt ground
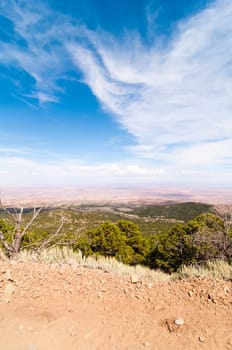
54, 307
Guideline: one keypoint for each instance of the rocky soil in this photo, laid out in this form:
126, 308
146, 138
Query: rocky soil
52, 307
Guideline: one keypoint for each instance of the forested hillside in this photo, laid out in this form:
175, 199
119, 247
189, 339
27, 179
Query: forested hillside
177, 211
160, 236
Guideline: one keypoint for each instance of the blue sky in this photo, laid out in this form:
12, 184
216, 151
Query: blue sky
98, 92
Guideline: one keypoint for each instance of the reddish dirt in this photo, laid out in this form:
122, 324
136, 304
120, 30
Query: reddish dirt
54, 307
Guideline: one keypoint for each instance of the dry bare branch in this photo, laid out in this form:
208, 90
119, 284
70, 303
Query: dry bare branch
52, 237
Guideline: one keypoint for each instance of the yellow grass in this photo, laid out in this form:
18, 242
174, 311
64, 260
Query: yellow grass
218, 269
66, 255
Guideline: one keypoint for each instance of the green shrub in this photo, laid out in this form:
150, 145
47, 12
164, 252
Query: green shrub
122, 240
201, 239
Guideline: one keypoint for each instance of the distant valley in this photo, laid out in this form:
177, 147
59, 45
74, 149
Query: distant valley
66, 195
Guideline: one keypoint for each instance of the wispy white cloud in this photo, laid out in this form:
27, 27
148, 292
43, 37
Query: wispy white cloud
9, 151
22, 170
28, 171
175, 99
37, 46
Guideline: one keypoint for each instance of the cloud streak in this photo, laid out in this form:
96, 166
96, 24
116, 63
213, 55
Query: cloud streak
23, 170
37, 47
65, 171
175, 99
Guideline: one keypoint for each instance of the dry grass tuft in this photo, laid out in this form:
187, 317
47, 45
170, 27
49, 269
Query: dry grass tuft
66, 255
218, 269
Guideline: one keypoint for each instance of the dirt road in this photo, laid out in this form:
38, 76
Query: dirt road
54, 307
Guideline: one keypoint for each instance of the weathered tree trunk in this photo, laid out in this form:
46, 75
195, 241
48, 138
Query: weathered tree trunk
12, 249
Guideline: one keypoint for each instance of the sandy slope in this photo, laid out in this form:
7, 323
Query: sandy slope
60, 307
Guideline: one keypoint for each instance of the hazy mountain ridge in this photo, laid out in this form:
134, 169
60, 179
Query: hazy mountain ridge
53, 196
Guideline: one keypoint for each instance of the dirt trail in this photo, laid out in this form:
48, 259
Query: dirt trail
51, 307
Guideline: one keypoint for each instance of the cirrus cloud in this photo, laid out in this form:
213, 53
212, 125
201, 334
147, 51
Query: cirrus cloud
175, 98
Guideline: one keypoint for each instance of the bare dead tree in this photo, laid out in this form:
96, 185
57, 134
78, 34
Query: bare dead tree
224, 212
13, 248
53, 238
14, 245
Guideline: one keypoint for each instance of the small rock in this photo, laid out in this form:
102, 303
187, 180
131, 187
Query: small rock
72, 331
9, 289
21, 327
201, 339
7, 274
146, 344
179, 321
73, 334
32, 347
190, 293
87, 335
134, 278
100, 296
137, 296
